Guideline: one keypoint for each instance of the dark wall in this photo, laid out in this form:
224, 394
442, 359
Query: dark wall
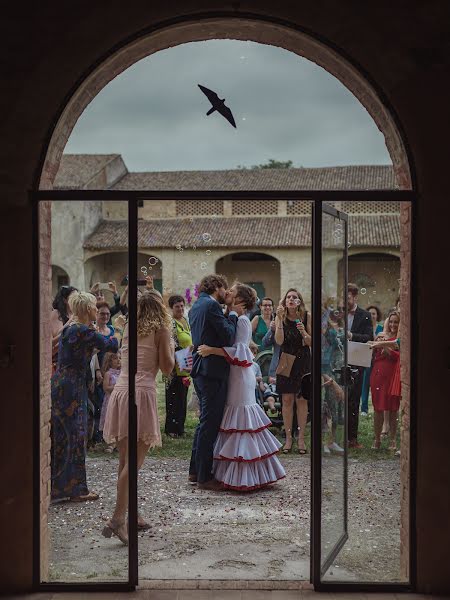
404, 47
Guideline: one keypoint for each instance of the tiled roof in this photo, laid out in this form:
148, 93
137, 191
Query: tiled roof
249, 232
357, 177
76, 170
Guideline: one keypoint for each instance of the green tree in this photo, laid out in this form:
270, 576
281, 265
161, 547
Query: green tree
272, 163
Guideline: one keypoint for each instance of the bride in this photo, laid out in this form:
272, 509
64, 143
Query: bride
245, 450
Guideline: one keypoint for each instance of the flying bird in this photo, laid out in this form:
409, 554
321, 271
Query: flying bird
218, 104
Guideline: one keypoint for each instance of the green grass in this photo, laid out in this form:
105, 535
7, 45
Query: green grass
181, 447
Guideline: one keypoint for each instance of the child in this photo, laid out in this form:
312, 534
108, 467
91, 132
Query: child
271, 394
268, 389
110, 372
257, 369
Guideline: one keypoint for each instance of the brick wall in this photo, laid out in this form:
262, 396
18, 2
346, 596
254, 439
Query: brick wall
45, 276
405, 329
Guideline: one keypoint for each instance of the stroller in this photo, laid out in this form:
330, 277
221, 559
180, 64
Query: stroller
263, 359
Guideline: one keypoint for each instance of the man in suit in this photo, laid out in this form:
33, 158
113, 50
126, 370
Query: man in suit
359, 329
209, 325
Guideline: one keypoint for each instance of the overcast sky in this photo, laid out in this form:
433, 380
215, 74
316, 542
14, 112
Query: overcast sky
285, 108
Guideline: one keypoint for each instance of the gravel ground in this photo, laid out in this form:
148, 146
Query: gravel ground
228, 535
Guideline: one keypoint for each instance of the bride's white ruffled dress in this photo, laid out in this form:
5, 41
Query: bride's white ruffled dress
245, 450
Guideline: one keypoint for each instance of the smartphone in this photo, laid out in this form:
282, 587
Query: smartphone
141, 282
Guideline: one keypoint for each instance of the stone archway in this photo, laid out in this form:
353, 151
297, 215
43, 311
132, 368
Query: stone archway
259, 269
113, 266
264, 32
59, 277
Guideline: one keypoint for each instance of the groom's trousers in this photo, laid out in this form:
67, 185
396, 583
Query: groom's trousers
212, 395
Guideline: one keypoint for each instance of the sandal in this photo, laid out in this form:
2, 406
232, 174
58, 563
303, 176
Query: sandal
89, 497
285, 450
302, 450
117, 529
376, 444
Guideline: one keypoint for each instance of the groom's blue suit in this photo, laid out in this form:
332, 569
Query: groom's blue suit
210, 375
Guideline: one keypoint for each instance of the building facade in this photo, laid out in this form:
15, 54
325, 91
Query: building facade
264, 243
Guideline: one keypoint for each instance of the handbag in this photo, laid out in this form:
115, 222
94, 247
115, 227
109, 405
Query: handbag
285, 363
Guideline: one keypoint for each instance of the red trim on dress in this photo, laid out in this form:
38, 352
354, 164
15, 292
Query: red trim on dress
244, 488
246, 430
235, 361
244, 460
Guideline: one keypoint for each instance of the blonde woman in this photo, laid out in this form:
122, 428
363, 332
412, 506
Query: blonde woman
293, 335
70, 399
155, 352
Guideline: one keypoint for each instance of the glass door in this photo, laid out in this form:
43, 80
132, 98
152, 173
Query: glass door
330, 387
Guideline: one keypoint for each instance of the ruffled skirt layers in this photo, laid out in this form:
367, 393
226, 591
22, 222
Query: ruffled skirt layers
245, 450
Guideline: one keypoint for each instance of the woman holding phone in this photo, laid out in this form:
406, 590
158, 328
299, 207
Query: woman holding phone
293, 335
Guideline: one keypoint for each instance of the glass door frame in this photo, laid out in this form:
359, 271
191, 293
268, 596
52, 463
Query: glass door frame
319, 210
134, 198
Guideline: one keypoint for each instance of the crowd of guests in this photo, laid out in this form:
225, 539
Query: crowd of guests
286, 330
89, 385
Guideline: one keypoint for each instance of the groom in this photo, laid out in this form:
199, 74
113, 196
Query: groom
210, 326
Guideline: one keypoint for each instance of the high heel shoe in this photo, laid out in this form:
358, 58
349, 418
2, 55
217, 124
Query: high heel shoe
117, 529
285, 450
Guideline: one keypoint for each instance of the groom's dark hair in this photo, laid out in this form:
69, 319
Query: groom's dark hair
211, 283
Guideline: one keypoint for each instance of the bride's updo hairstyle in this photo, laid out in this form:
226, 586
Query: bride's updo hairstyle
246, 294
151, 314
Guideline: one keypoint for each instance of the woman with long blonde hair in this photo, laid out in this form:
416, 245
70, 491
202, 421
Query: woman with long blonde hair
155, 351
293, 335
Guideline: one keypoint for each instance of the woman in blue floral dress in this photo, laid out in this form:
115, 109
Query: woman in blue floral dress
70, 399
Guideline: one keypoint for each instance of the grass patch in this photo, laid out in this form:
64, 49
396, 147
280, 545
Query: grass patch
181, 447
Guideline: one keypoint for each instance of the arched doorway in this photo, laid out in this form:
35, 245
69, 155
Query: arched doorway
378, 277
113, 266
402, 174
257, 269
59, 277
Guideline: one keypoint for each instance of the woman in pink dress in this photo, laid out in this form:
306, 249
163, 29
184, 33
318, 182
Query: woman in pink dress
245, 450
155, 351
384, 380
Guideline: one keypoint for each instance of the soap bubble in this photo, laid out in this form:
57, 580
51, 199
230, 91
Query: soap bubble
203, 265
144, 270
363, 291
179, 247
152, 261
349, 244
206, 237
208, 252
